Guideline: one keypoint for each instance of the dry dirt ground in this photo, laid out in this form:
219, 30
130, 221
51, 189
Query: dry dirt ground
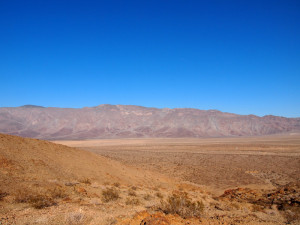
216, 163
263, 164
49, 183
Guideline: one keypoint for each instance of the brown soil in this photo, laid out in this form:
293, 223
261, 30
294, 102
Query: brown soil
46, 183
217, 163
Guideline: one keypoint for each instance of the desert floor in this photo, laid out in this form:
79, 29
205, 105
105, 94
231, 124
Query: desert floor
214, 163
150, 181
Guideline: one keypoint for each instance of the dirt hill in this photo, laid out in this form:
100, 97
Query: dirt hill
125, 121
26, 161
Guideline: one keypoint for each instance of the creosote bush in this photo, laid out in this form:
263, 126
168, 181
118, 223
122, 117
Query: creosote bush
182, 205
110, 194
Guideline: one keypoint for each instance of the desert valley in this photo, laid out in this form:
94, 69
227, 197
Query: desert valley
164, 170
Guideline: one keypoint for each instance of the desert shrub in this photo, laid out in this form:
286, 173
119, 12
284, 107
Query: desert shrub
85, 181
41, 201
235, 205
117, 184
292, 215
156, 189
132, 201
37, 199
256, 208
75, 218
147, 197
110, 194
57, 192
2, 195
110, 221
131, 192
134, 188
159, 195
23, 196
182, 205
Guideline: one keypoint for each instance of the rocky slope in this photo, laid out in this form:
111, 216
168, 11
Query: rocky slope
125, 121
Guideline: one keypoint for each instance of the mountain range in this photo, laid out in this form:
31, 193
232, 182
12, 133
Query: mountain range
129, 121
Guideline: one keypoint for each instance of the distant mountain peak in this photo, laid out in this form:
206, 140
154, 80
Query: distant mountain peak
32, 106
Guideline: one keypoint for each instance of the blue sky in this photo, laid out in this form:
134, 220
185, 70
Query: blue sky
234, 56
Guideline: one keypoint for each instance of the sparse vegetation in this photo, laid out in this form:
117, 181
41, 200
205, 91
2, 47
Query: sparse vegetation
132, 201
75, 218
85, 181
110, 194
131, 192
57, 192
36, 200
159, 195
235, 205
134, 188
147, 197
2, 195
110, 221
39, 198
117, 184
182, 205
256, 208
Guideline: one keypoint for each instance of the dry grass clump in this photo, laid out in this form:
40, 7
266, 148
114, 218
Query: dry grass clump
235, 205
57, 192
132, 201
110, 221
257, 208
131, 193
182, 205
75, 218
85, 181
147, 197
110, 194
117, 184
36, 200
2, 195
159, 195
292, 215
39, 198
134, 188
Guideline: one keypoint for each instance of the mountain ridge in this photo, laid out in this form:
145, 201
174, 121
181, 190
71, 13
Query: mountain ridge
130, 121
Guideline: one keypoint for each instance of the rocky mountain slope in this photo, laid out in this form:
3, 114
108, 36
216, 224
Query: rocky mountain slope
126, 121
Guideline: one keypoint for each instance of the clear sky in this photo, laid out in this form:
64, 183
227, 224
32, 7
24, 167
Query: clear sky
234, 56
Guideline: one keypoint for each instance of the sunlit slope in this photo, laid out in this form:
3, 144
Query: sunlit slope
25, 160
